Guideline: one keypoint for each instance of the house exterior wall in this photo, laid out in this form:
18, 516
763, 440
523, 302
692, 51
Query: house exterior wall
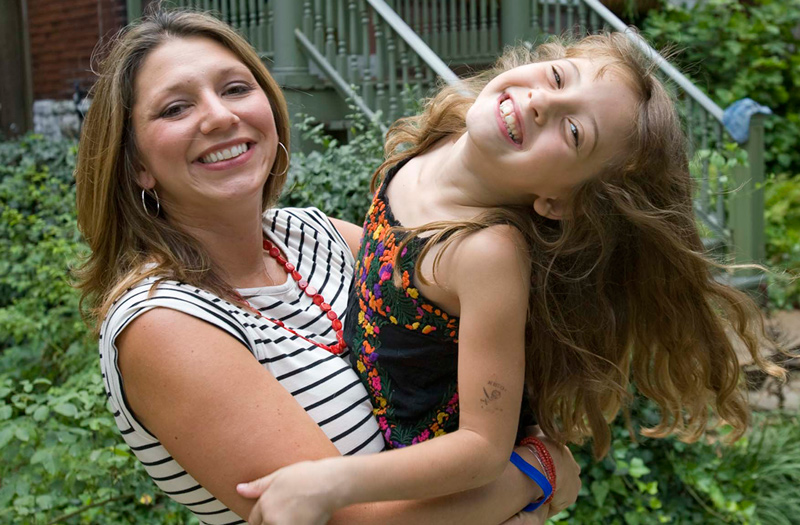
63, 35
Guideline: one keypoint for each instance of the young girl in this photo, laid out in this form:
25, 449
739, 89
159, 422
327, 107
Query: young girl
540, 233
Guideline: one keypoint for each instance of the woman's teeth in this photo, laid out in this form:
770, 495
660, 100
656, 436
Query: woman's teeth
225, 154
507, 112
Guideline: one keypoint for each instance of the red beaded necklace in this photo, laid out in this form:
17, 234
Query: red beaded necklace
316, 298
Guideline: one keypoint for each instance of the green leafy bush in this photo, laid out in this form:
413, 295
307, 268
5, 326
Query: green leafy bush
753, 481
735, 49
335, 177
60, 451
782, 223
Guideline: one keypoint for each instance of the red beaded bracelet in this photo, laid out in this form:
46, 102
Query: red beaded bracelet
541, 453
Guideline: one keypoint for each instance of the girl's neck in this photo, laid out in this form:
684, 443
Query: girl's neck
456, 178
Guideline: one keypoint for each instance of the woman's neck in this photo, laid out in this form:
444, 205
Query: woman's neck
233, 240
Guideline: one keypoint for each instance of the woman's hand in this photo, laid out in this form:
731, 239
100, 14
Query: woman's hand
568, 481
294, 495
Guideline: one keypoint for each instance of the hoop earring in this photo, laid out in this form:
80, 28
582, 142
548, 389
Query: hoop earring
158, 204
287, 161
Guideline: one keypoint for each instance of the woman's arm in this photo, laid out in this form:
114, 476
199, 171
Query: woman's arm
349, 232
487, 275
226, 420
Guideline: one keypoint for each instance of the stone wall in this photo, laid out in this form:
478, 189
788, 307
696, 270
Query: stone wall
57, 119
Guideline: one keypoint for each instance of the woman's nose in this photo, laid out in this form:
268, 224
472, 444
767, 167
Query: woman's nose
217, 115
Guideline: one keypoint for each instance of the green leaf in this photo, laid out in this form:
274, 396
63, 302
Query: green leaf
22, 433
5, 412
637, 468
66, 409
41, 413
6, 433
600, 490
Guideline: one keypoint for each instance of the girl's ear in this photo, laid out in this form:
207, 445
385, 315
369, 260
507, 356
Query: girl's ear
549, 208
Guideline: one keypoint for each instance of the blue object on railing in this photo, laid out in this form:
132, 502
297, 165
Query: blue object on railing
736, 118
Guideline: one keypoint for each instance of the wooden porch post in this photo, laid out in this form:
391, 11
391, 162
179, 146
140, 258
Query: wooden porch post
515, 19
134, 9
16, 87
291, 66
746, 205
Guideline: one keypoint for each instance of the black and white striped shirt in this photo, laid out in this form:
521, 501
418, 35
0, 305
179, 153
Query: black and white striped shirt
322, 383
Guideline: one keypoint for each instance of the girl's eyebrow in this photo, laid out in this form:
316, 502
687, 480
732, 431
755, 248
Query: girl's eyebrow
575, 67
593, 121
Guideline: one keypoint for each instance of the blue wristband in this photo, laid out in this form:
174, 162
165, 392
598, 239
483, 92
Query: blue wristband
538, 478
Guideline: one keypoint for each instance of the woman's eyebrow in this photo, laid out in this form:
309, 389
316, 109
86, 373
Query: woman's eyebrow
181, 83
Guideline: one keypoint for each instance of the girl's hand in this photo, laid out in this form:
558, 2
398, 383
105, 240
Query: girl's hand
294, 495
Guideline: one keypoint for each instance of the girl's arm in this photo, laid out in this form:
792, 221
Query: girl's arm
487, 274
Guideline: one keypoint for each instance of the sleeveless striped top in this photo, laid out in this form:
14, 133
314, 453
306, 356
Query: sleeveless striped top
324, 384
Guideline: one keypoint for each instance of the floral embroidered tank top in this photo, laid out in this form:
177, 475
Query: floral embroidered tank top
403, 347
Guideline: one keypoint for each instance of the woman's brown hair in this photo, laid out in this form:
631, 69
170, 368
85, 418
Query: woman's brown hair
621, 289
124, 239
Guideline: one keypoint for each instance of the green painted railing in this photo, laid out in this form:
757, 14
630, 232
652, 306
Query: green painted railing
374, 52
253, 18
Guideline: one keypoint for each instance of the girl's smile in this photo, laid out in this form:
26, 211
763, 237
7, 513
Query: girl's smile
509, 120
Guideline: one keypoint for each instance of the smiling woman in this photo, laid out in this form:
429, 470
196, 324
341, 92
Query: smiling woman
196, 104
218, 317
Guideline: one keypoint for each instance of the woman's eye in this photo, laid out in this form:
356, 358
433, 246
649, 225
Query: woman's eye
574, 130
172, 111
557, 77
238, 89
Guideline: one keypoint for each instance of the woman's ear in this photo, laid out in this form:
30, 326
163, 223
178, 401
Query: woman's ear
549, 208
145, 179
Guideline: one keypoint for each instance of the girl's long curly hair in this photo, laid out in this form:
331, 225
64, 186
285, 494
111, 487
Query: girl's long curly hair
621, 290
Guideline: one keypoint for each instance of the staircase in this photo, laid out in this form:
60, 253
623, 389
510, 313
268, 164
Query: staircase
376, 52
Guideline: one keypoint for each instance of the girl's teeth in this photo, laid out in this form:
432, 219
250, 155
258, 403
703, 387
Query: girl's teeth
507, 112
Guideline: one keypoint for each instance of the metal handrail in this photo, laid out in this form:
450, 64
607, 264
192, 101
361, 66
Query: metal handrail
675, 75
337, 80
414, 41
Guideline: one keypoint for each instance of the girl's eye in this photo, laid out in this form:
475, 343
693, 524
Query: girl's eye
557, 77
574, 130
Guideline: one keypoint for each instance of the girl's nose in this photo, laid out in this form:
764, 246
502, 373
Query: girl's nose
217, 116
537, 104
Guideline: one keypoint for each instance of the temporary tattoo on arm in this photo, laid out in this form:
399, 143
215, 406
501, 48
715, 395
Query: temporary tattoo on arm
491, 393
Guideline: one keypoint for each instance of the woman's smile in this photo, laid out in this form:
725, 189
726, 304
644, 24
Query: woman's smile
227, 157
